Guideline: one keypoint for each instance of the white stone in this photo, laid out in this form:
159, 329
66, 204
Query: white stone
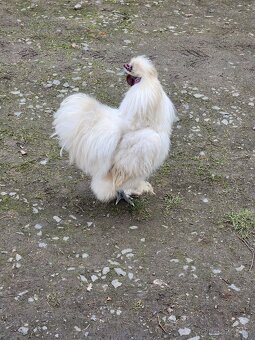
216, 271
244, 334
130, 276
239, 269
224, 121
234, 287
18, 257
120, 271
243, 320
105, 270
38, 226
172, 318
125, 251
94, 278
198, 95
42, 245
116, 283
184, 331
133, 227
83, 278
23, 330
57, 219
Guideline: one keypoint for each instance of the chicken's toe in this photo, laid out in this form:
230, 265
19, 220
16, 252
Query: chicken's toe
122, 196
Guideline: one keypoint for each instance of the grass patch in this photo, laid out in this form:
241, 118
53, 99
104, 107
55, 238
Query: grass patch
171, 202
243, 222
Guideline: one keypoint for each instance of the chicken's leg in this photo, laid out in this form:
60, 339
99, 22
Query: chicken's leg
122, 196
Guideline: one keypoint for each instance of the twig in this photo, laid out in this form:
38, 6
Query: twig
161, 326
251, 249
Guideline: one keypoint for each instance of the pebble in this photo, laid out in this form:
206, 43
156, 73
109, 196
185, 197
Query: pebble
57, 219
125, 251
83, 278
38, 226
244, 334
224, 121
243, 320
42, 245
198, 95
234, 287
239, 269
194, 338
133, 227
116, 283
216, 271
18, 257
184, 331
23, 330
120, 271
105, 270
94, 278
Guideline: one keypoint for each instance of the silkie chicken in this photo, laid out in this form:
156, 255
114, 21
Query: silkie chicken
119, 148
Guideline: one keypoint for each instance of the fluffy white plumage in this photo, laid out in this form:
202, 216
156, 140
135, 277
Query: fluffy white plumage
119, 148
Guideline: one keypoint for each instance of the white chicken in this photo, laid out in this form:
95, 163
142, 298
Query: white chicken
119, 148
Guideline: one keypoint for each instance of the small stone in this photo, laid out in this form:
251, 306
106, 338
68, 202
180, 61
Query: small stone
130, 276
77, 6
172, 318
216, 271
205, 200
243, 320
120, 271
198, 95
125, 251
23, 330
159, 282
83, 278
38, 226
57, 219
133, 227
244, 334
42, 245
239, 269
77, 329
184, 331
234, 287
116, 283
105, 270
56, 82
89, 288
194, 338
224, 121
44, 161
84, 255
18, 257
66, 238
94, 278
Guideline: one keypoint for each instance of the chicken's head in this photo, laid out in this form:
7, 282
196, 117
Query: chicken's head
139, 68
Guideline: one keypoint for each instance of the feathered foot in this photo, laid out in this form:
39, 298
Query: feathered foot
122, 196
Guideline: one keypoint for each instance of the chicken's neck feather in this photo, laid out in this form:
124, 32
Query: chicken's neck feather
143, 105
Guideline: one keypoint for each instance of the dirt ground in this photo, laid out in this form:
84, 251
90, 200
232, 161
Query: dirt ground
173, 267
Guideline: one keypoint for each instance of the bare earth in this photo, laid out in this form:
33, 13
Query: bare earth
170, 268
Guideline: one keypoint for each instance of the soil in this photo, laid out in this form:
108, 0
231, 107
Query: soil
171, 267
